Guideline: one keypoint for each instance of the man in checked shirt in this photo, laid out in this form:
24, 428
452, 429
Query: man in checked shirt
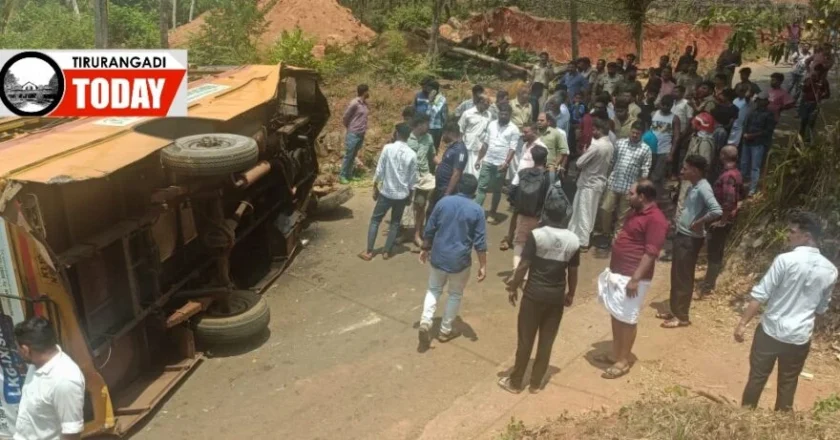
631, 162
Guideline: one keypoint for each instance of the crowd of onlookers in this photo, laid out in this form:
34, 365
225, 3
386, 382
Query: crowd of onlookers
586, 156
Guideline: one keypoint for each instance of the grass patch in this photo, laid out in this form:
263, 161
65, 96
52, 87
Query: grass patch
684, 416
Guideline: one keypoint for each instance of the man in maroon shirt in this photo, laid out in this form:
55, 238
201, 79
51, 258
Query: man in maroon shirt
729, 190
622, 287
814, 91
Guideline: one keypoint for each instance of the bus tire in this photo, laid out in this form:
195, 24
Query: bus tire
250, 318
206, 155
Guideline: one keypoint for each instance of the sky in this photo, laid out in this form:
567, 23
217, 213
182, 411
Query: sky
32, 70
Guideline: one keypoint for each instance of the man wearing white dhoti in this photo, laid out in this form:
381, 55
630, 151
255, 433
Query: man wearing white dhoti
622, 286
594, 164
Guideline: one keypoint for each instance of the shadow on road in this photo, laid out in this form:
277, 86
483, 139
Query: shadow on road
336, 214
237, 349
459, 326
600, 349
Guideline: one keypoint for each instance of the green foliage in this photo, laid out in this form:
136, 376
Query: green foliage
52, 25
131, 27
521, 57
47, 25
515, 429
293, 48
409, 17
826, 8
829, 405
230, 33
397, 62
338, 61
746, 25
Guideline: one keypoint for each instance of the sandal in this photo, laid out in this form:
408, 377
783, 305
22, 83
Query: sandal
365, 256
505, 384
665, 316
446, 337
675, 323
615, 372
504, 245
603, 358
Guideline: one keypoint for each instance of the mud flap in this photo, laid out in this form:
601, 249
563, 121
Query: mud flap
285, 239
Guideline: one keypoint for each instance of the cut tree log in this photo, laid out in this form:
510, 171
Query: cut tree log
488, 59
449, 47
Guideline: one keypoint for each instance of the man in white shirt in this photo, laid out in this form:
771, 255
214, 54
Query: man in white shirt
743, 104
473, 125
467, 104
51, 407
800, 70
682, 108
529, 139
797, 286
495, 157
396, 176
594, 164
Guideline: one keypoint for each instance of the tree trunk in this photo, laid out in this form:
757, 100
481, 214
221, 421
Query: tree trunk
433, 47
75, 5
639, 36
192, 9
174, 14
573, 20
519, 70
100, 23
8, 9
163, 24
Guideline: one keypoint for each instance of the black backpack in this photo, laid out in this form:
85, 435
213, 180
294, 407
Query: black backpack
530, 193
555, 199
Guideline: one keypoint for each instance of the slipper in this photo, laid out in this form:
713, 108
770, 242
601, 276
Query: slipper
504, 383
365, 256
387, 256
675, 323
504, 245
446, 337
615, 372
603, 358
665, 316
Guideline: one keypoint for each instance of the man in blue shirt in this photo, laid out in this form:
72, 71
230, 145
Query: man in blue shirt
456, 227
422, 101
451, 167
574, 81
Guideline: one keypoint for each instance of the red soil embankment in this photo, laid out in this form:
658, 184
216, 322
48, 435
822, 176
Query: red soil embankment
325, 20
597, 40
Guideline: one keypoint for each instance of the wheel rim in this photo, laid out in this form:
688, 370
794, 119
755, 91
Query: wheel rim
209, 142
238, 304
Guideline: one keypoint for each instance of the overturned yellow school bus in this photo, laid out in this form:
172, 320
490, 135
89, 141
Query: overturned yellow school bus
142, 239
